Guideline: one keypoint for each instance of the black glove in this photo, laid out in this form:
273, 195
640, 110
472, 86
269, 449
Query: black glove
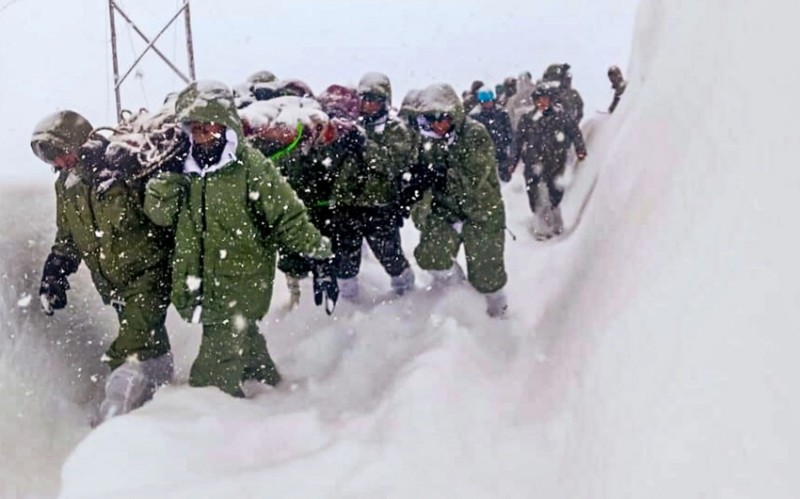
53, 293
354, 140
325, 286
54, 284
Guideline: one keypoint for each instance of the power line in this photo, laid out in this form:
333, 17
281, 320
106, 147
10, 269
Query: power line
9, 4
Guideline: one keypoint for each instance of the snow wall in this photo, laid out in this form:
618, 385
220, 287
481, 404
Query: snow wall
650, 354
685, 283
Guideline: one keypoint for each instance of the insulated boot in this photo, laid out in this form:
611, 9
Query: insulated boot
496, 304
348, 288
453, 275
557, 221
293, 283
404, 282
133, 383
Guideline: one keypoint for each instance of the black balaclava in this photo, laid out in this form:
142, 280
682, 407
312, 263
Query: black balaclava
209, 154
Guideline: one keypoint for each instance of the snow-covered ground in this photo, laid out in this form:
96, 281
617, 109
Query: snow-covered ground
649, 354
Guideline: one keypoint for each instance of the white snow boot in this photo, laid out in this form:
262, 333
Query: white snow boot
453, 275
496, 304
542, 224
133, 383
557, 221
348, 288
293, 283
404, 282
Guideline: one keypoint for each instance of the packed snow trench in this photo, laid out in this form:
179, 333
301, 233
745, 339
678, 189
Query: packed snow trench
651, 353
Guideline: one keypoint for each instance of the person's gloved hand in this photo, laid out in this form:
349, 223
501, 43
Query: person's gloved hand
326, 288
54, 283
53, 293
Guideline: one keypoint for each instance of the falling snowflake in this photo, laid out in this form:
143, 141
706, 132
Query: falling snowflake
239, 322
222, 254
254, 195
560, 136
193, 283
24, 301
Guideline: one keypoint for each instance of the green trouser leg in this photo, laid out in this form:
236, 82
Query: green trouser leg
438, 245
229, 355
484, 248
142, 332
258, 364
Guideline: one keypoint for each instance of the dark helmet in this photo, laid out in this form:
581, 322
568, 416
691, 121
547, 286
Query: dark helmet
375, 86
543, 90
59, 133
558, 73
476, 85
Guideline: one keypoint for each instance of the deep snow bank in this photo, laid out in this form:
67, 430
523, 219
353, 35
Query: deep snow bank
686, 280
662, 364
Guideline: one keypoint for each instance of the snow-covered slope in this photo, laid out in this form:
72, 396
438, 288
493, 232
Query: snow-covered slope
686, 281
650, 354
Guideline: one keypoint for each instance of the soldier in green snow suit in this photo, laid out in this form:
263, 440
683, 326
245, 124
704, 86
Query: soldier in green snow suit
366, 191
466, 204
127, 255
306, 166
232, 211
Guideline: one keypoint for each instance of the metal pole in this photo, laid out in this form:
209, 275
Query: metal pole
149, 46
114, 56
155, 49
189, 43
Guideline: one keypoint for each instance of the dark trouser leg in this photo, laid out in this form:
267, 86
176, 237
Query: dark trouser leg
485, 247
142, 332
347, 246
385, 242
438, 245
231, 353
555, 192
532, 188
259, 365
503, 167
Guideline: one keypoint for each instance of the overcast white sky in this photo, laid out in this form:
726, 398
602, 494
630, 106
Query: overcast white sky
55, 54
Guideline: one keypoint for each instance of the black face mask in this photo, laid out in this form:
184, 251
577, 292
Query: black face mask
209, 154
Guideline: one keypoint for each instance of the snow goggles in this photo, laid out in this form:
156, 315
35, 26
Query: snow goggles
372, 97
47, 152
433, 117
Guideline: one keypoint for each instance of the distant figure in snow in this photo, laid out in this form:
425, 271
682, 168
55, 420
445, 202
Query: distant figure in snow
231, 210
470, 97
618, 83
544, 136
509, 90
101, 222
558, 76
497, 122
465, 204
520, 102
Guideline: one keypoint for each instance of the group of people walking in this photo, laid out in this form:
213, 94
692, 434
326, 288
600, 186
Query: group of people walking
198, 204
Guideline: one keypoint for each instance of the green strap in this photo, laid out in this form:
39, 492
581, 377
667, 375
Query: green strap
286, 150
